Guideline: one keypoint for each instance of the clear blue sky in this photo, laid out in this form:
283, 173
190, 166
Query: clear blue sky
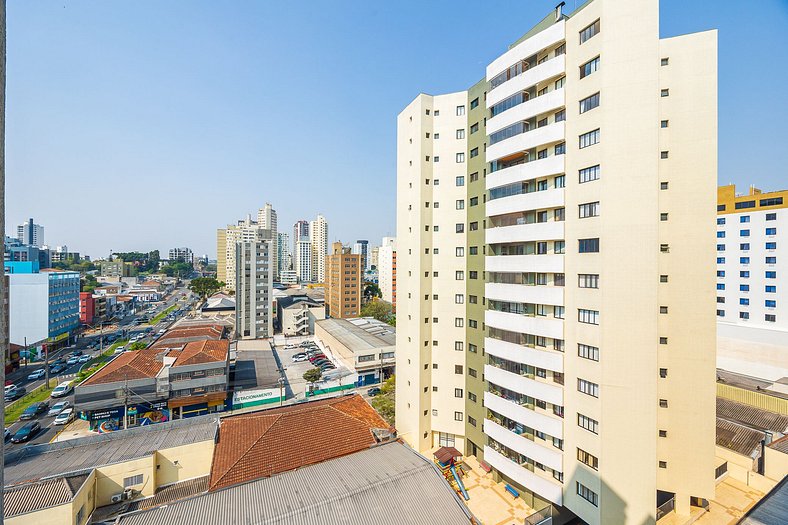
146, 125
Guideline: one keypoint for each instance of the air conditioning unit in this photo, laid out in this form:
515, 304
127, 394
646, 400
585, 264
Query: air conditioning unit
117, 498
128, 493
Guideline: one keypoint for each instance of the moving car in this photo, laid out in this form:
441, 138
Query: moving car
58, 407
119, 350
84, 358
63, 389
373, 391
26, 431
16, 393
76, 353
55, 370
38, 374
65, 417
36, 409
72, 361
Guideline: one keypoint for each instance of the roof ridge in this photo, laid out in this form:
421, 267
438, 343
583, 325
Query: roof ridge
243, 454
354, 417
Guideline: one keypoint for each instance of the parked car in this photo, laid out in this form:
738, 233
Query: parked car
26, 432
55, 370
297, 358
65, 417
317, 356
320, 362
326, 366
290, 346
58, 407
34, 410
16, 393
63, 389
84, 358
372, 392
38, 374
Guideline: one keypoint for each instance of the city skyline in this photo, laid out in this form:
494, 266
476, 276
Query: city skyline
118, 96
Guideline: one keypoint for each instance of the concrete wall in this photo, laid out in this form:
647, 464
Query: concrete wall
184, 462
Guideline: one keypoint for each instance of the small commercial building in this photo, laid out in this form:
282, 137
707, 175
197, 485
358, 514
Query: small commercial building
297, 314
364, 345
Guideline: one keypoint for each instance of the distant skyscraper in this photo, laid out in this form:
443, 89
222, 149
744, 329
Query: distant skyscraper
318, 236
361, 247
283, 255
266, 219
254, 286
387, 269
302, 260
30, 234
343, 283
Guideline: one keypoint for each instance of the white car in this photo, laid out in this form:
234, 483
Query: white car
119, 350
72, 361
58, 407
63, 389
84, 358
64, 417
38, 374
290, 346
300, 357
162, 331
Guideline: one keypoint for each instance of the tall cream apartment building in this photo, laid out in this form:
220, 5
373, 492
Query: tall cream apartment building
318, 238
245, 230
555, 304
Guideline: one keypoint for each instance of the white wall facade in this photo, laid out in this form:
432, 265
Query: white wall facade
28, 305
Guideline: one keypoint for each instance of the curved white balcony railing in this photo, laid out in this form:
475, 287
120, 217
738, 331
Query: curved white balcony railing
552, 165
531, 387
537, 325
536, 106
551, 457
552, 491
537, 231
549, 360
525, 141
524, 263
550, 425
524, 293
535, 200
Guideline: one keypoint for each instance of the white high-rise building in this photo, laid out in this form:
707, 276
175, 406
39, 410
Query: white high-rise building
318, 237
387, 269
266, 219
181, 255
30, 233
361, 247
572, 345
283, 254
254, 287
302, 260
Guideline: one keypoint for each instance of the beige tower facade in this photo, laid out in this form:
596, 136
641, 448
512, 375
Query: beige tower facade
266, 219
600, 143
318, 237
343, 283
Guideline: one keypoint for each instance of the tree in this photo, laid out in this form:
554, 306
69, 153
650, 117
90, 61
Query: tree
178, 269
372, 290
88, 283
138, 345
205, 286
384, 402
379, 309
313, 375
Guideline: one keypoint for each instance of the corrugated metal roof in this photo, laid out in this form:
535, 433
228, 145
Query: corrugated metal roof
750, 416
772, 509
357, 338
386, 485
738, 438
40, 495
83, 454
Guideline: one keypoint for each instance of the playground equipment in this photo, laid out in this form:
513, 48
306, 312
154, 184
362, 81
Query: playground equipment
446, 460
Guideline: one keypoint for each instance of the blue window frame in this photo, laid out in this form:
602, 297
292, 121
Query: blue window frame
771, 304
720, 286
771, 231
721, 221
744, 301
720, 260
744, 218
744, 315
771, 245
744, 287
771, 260
720, 235
720, 247
745, 274
744, 233
744, 260
771, 289
720, 273
744, 246
771, 275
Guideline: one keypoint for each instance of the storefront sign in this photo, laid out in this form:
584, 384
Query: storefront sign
255, 397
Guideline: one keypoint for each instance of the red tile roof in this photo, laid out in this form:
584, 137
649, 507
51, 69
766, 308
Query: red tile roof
139, 364
198, 352
268, 442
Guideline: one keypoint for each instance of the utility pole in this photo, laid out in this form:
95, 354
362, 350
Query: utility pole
281, 382
125, 402
3, 290
46, 364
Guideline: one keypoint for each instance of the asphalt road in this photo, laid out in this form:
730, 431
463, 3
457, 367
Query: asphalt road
19, 377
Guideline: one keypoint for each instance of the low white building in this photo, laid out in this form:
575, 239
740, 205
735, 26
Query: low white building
297, 314
364, 345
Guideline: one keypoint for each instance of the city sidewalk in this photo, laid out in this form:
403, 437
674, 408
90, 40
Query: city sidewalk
76, 429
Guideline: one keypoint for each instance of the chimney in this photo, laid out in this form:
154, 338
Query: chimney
558, 13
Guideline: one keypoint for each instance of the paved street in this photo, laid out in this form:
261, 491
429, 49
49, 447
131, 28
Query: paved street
180, 295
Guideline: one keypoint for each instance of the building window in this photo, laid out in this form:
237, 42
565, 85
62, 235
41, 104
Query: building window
589, 174
771, 216
587, 423
458, 416
589, 31
771, 231
663, 373
458, 371
133, 480
663, 403
588, 459
560, 149
589, 103
459, 180
663, 123
588, 280
664, 154
588, 245
475, 103
458, 346
459, 298
459, 322
590, 209
587, 387
589, 139
744, 205
458, 392
587, 316
776, 201
460, 111
460, 227
472, 372
459, 251
471, 421
589, 67
744, 233
459, 204
588, 352
664, 93
560, 116
770, 303
663, 464
460, 157
771, 318
474, 128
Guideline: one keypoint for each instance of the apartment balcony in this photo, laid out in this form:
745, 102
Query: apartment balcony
531, 387
535, 200
551, 457
525, 263
550, 425
533, 169
552, 491
524, 293
526, 324
524, 141
548, 102
549, 360
522, 51
537, 231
